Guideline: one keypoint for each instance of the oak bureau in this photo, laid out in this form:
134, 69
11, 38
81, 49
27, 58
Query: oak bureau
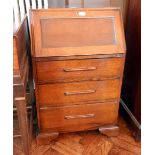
78, 61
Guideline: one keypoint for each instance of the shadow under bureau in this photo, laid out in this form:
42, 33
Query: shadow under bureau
78, 61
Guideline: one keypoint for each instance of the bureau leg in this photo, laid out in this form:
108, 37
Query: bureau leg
46, 138
109, 130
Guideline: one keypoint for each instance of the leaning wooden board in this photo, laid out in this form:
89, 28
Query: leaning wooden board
21, 72
78, 61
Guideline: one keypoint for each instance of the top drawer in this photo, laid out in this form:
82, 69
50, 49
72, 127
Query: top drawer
78, 70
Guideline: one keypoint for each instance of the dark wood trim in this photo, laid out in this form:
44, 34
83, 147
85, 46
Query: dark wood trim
80, 57
131, 90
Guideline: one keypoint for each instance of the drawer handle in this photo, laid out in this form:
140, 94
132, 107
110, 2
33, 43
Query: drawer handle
79, 69
80, 92
80, 116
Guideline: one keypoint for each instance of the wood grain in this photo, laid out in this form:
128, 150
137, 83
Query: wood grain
117, 46
77, 32
55, 94
73, 70
21, 70
20, 46
95, 116
78, 62
46, 138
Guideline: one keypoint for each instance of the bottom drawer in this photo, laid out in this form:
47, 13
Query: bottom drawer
78, 117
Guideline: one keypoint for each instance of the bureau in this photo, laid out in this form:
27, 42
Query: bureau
78, 60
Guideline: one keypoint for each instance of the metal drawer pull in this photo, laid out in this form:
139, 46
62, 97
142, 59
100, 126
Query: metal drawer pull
79, 69
80, 116
80, 92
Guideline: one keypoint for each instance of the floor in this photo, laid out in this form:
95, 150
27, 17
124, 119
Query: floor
87, 143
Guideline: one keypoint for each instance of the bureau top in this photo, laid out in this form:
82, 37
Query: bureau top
68, 32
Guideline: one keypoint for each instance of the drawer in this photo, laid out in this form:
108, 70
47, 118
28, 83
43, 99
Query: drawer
77, 92
78, 117
78, 70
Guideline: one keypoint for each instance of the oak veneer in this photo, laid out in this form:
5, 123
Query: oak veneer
78, 117
40, 16
77, 92
72, 70
78, 60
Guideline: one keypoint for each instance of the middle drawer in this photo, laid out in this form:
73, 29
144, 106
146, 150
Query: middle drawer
77, 92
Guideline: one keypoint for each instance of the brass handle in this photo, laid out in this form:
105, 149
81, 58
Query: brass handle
80, 116
79, 69
80, 92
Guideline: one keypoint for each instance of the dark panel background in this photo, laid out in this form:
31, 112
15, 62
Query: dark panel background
131, 90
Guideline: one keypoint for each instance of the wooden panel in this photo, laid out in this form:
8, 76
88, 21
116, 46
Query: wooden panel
80, 117
131, 92
15, 56
20, 80
20, 47
75, 32
106, 23
76, 70
71, 93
